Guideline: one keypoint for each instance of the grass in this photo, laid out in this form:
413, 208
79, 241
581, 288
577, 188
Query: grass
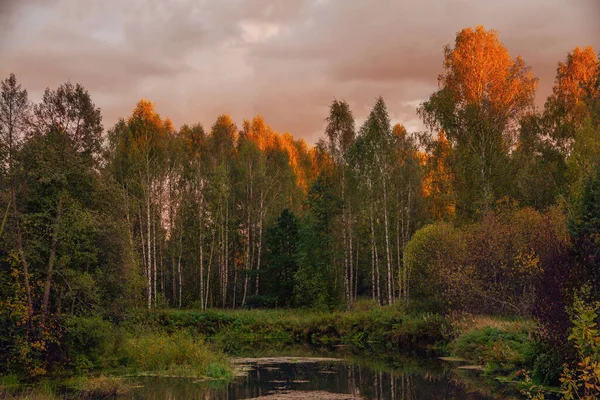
236, 331
144, 352
192, 343
177, 354
78, 387
98, 387
501, 345
11, 388
9, 381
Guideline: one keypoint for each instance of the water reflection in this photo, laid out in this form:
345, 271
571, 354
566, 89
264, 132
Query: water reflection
271, 378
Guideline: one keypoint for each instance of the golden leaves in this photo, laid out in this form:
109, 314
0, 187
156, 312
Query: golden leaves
479, 69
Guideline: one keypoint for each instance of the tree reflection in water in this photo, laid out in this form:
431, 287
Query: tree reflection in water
290, 378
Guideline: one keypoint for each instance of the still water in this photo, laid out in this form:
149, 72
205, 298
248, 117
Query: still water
319, 378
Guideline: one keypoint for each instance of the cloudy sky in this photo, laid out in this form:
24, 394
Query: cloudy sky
284, 59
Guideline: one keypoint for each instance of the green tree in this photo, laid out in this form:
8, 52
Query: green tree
315, 278
373, 160
281, 259
585, 230
15, 112
138, 153
341, 134
539, 169
60, 160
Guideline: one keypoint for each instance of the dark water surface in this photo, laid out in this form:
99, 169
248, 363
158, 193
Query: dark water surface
359, 377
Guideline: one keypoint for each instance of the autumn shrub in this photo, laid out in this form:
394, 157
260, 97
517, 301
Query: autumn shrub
21, 353
510, 250
581, 379
494, 265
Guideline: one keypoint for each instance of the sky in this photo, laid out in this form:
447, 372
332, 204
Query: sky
284, 59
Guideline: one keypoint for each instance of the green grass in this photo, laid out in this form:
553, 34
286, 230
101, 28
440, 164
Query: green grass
177, 354
43, 390
501, 345
9, 381
192, 343
236, 331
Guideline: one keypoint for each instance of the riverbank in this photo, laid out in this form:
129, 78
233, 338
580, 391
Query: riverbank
190, 343
236, 331
495, 345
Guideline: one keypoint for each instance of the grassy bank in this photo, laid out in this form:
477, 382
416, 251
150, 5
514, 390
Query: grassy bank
191, 343
236, 331
79, 387
498, 345
95, 358
505, 348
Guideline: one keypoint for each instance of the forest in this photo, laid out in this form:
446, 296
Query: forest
493, 210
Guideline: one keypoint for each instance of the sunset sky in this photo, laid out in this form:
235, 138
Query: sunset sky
283, 59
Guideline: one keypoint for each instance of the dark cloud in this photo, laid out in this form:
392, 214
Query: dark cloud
285, 59
8, 9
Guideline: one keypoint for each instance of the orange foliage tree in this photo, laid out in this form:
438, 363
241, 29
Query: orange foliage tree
574, 87
438, 179
482, 95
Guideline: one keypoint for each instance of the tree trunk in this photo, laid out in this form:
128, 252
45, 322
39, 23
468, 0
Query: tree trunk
351, 288
235, 276
399, 238
260, 234
248, 247
226, 255
200, 246
356, 268
347, 273
179, 266
143, 242
387, 243
5, 216
210, 260
173, 278
52, 259
373, 258
154, 259
23, 260
407, 231
162, 269
149, 238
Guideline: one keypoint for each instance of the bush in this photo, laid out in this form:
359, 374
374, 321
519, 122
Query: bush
505, 347
435, 262
261, 301
494, 265
581, 380
89, 343
547, 366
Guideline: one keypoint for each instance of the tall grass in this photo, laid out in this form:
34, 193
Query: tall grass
177, 354
236, 331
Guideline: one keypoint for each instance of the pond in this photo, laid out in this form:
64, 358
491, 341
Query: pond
354, 377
